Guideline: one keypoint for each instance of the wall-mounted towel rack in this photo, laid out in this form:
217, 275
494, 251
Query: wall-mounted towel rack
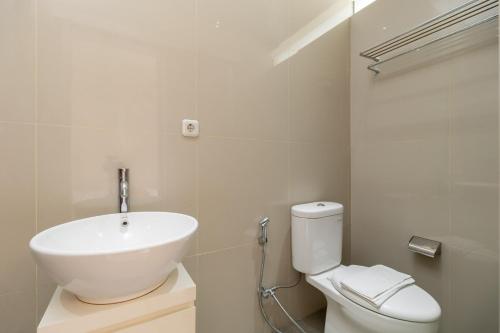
472, 18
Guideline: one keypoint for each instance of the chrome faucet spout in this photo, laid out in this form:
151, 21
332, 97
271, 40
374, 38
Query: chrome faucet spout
123, 190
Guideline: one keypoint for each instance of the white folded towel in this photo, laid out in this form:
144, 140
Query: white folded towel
376, 284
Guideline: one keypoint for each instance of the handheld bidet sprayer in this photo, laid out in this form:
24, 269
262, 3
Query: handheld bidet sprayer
263, 230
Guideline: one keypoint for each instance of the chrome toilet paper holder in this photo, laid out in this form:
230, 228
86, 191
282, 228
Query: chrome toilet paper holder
427, 247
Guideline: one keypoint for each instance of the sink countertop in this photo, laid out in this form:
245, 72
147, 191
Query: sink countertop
65, 313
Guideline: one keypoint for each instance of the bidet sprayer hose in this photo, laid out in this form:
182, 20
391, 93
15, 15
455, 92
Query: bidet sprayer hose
260, 291
263, 292
273, 295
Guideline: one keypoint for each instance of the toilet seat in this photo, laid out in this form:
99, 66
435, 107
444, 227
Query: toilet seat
410, 304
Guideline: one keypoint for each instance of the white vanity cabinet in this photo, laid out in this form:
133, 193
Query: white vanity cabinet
170, 308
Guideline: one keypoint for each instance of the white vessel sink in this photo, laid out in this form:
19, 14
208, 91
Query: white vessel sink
101, 260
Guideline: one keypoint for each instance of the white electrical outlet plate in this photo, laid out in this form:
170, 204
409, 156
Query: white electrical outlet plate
190, 128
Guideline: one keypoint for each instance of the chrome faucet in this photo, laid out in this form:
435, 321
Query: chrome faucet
123, 190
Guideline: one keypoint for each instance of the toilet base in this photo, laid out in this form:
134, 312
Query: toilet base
340, 319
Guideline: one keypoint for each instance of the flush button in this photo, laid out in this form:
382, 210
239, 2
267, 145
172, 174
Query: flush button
321, 204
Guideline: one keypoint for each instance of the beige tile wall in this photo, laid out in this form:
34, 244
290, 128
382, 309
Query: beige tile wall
91, 86
425, 162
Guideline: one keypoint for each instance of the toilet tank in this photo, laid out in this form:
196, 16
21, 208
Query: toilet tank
316, 236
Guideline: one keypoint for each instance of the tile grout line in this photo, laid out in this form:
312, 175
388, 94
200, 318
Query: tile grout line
35, 107
196, 110
451, 93
15, 122
224, 249
289, 136
291, 272
289, 147
169, 133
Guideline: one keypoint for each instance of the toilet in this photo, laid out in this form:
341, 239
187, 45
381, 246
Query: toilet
317, 252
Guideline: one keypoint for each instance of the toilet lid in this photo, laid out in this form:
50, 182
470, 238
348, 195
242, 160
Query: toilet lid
411, 303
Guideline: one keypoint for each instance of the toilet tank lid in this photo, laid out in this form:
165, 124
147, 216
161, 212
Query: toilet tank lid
316, 210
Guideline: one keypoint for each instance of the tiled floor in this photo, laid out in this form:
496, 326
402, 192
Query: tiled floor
314, 323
